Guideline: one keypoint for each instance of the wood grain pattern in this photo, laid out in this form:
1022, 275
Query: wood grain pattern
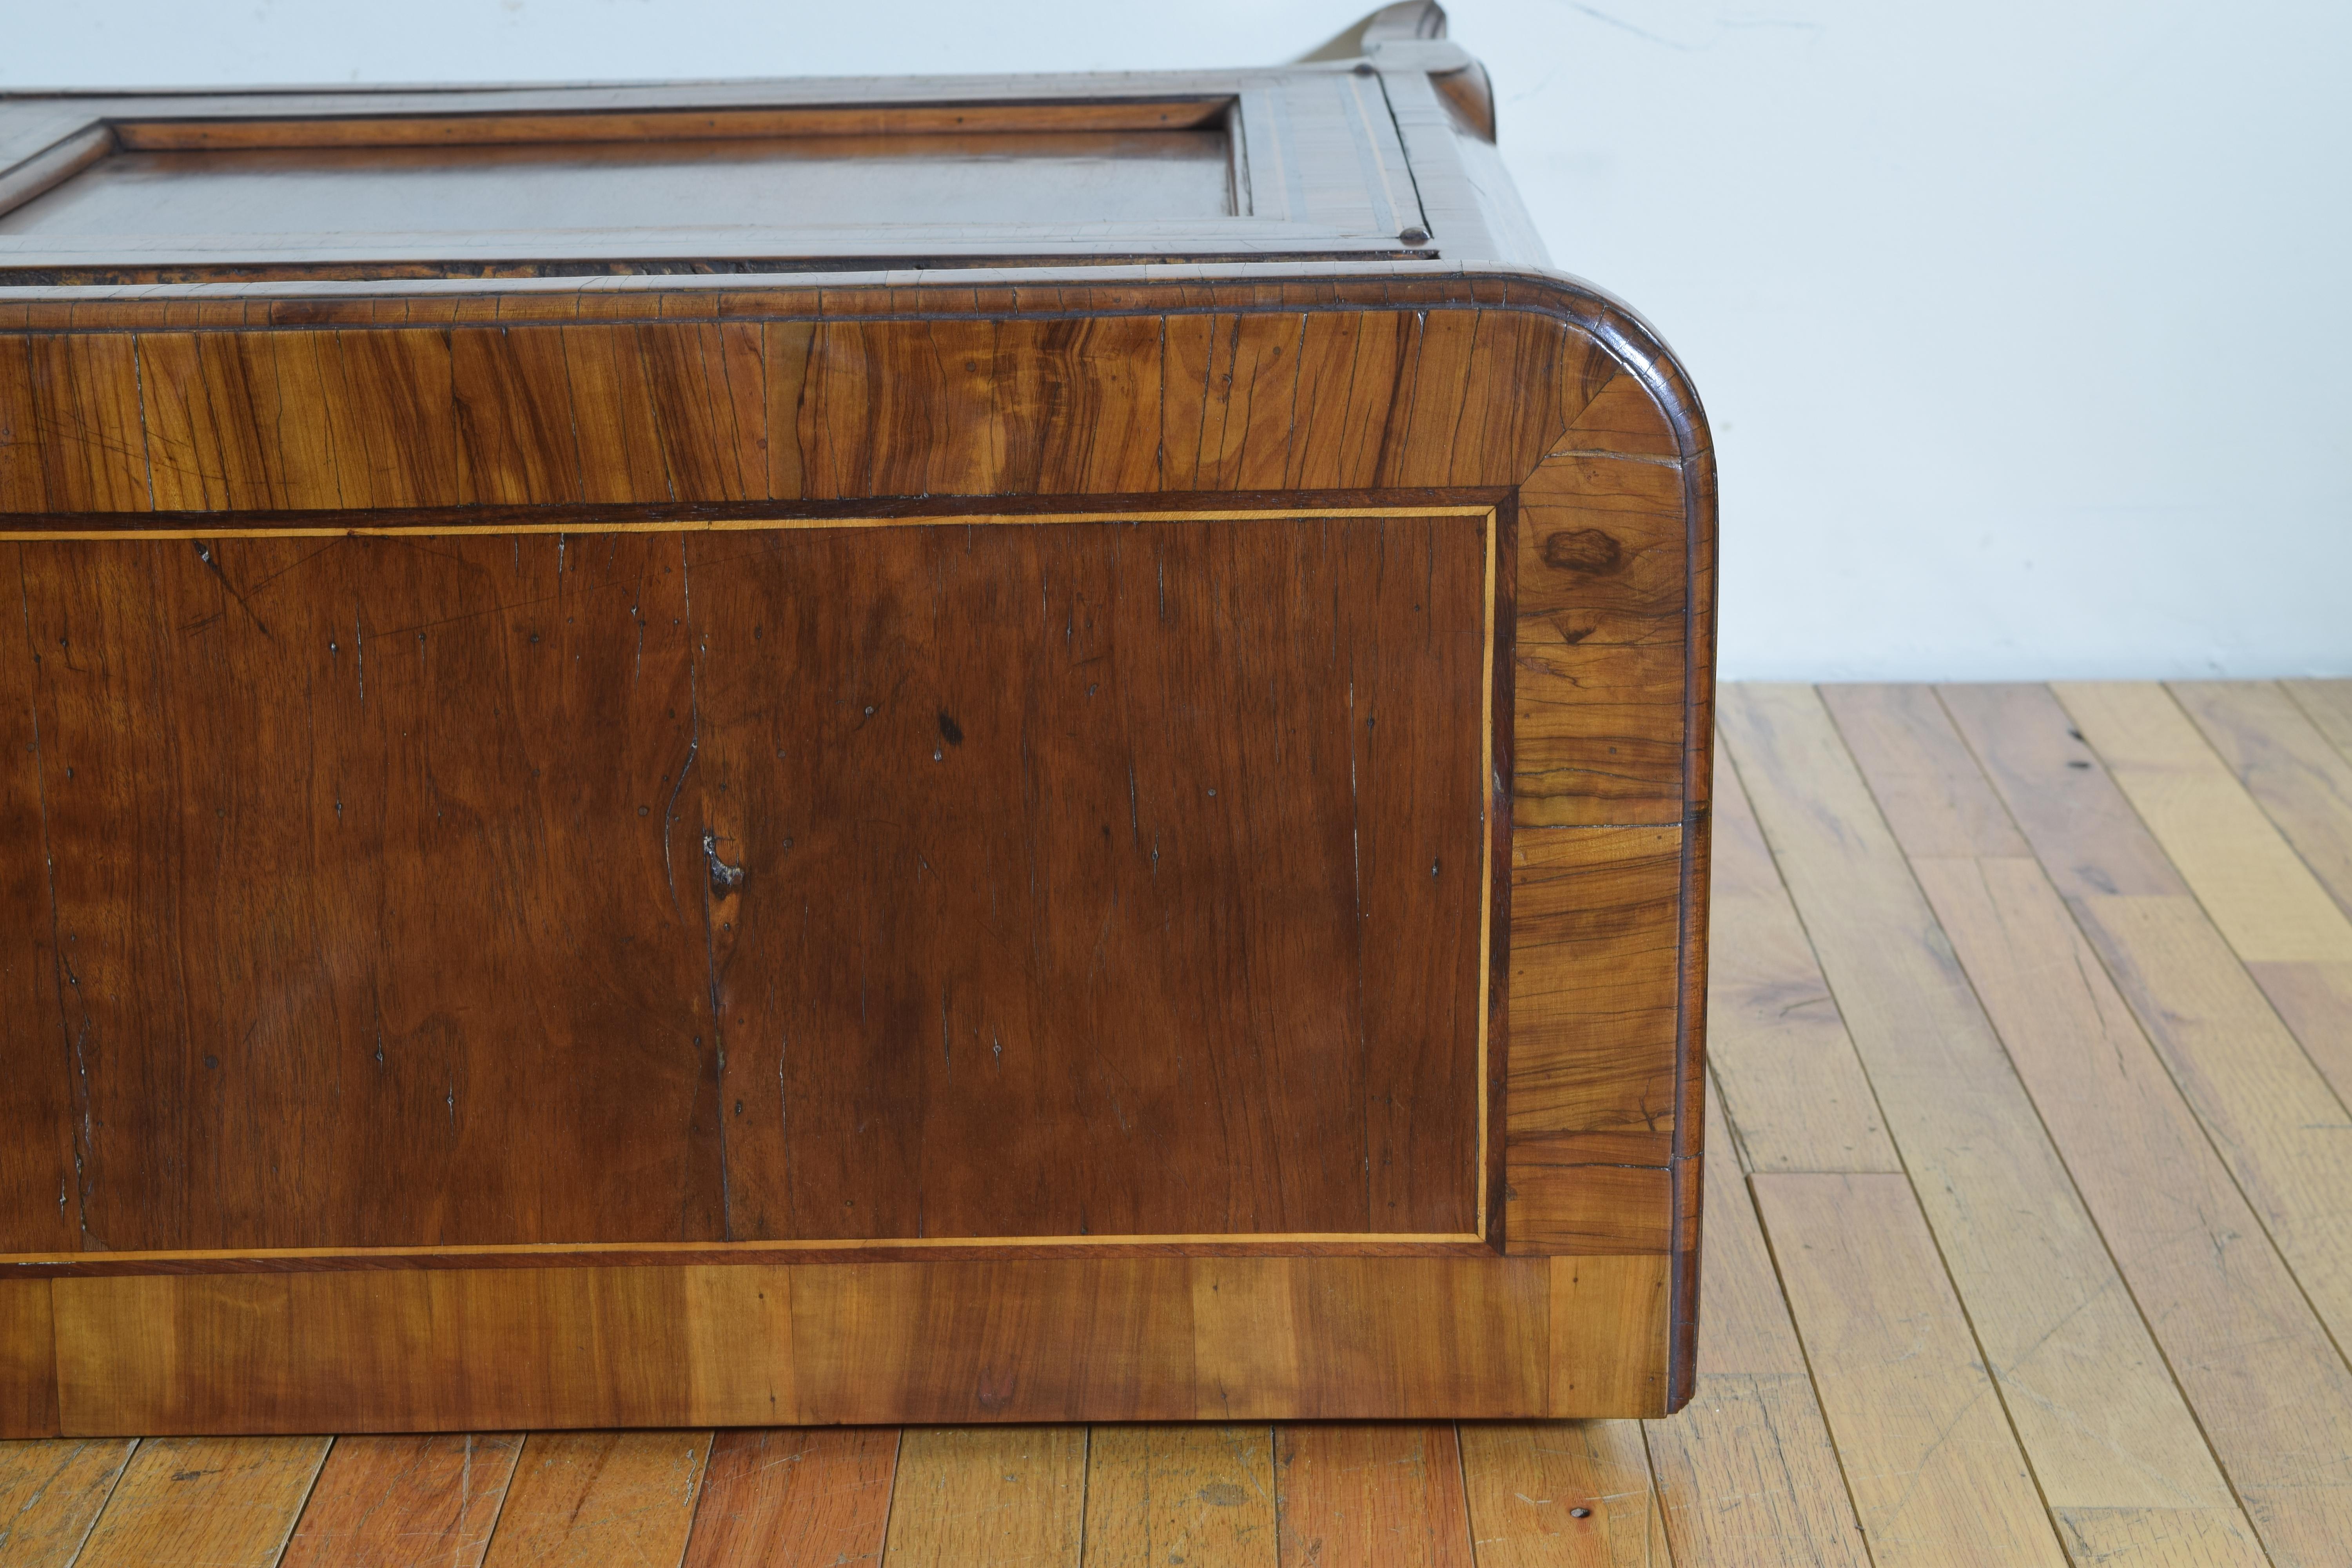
1570, 1195
1386, 1494
23, 486
28, 1386
588, 1498
2273, 1115
2269, 1110
1005, 1342
1612, 1343
84, 406
738, 1344
1596, 946
2096, 845
1604, 593
345, 1058
2328, 705
38, 1139
795, 1495
2294, 939
749, 405
990, 1497
2258, 892
2079, 1374
205, 1503
1334, 1338
1562, 1494
1901, 1377
51, 1493
1778, 1046
2189, 1538
2303, 783
2239, 1338
2315, 1001
1121, 929
1746, 1472
1179, 1494
2248, 1354
451, 1351
1622, 417
1341, 840
383, 1502
1937, 801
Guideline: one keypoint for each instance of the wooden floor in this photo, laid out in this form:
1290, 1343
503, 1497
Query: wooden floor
2028, 1235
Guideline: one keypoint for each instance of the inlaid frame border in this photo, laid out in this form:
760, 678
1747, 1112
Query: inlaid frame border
1488, 1076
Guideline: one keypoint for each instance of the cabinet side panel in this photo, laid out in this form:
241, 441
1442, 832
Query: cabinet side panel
1614, 680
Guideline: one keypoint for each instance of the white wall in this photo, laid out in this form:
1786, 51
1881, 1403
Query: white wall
2023, 326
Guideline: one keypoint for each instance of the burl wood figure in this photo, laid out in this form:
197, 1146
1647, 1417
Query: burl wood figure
794, 751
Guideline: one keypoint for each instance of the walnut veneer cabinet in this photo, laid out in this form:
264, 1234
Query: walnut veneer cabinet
795, 752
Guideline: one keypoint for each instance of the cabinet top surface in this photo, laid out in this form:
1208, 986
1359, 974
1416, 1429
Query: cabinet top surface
1382, 155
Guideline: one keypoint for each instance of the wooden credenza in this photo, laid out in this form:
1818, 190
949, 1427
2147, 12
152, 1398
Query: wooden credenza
809, 751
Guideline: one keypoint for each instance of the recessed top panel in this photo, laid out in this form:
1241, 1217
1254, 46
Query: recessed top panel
770, 182
806, 177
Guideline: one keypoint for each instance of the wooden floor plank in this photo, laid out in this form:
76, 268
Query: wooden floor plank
1937, 1474
2288, 1138
2271, 910
588, 1499
2160, 1537
1746, 1473
2274, 1398
1936, 800
1562, 1494
1158, 1494
1360, 1492
2303, 783
2223, 1308
794, 1495
988, 1497
2257, 888
2315, 1001
1774, 1037
2094, 844
2078, 1373
2273, 1116
385, 1502
51, 1489
205, 1502
2328, 705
